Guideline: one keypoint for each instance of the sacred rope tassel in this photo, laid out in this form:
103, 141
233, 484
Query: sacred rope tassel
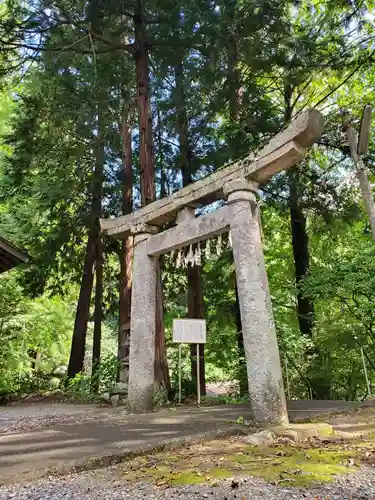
178, 260
189, 259
230, 239
208, 249
172, 254
219, 245
198, 255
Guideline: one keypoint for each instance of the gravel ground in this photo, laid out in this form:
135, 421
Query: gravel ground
37, 416
106, 485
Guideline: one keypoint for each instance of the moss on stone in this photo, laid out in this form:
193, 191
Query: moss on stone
301, 432
297, 470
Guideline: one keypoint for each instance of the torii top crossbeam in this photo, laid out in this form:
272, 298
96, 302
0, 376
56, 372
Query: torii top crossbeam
283, 151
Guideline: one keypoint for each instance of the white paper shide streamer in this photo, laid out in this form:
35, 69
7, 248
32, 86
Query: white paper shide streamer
198, 255
194, 256
219, 245
207, 251
189, 259
179, 258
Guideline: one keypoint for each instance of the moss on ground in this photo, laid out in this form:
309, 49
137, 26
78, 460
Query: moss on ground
230, 457
299, 465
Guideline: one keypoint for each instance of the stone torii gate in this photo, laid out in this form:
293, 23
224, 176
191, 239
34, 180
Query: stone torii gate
238, 184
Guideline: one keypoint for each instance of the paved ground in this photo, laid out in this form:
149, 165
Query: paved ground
41, 436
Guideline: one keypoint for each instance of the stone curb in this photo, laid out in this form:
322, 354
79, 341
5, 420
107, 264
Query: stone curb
111, 459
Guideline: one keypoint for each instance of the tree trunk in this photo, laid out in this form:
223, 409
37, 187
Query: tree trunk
126, 254
146, 154
97, 213
160, 158
98, 315
300, 242
147, 166
77, 352
126, 257
300, 239
195, 297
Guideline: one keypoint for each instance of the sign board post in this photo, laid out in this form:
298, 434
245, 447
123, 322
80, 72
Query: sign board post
189, 331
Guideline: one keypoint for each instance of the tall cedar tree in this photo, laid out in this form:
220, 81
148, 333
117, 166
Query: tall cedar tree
147, 170
195, 296
126, 251
77, 354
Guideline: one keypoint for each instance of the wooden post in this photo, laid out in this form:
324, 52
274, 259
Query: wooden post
198, 378
179, 373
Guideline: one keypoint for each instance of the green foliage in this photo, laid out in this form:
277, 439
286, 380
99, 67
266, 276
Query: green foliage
248, 66
343, 291
42, 326
80, 385
225, 400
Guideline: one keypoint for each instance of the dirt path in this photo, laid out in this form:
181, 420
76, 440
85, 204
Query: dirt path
338, 467
38, 437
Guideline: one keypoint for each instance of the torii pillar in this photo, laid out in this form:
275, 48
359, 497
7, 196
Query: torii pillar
143, 323
266, 389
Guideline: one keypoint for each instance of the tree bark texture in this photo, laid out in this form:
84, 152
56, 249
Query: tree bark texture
147, 165
98, 315
300, 243
77, 351
300, 239
146, 154
97, 213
